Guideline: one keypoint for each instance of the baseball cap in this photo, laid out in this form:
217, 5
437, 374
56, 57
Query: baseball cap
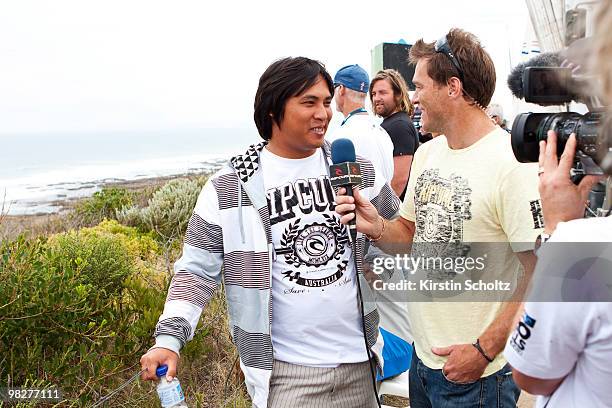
353, 77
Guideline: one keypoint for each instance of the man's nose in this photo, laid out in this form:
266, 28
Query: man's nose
321, 112
415, 98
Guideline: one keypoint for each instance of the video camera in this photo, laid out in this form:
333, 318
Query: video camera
538, 82
558, 79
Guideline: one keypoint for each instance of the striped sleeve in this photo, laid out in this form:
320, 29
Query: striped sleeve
197, 274
383, 197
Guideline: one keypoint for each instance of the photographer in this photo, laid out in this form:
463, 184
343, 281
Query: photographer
562, 351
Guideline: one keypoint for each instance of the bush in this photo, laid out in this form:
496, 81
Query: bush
131, 216
103, 204
168, 211
78, 308
97, 260
139, 246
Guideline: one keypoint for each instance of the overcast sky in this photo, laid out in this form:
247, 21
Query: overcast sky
84, 66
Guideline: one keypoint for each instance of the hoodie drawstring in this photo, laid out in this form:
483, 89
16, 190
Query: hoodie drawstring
240, 220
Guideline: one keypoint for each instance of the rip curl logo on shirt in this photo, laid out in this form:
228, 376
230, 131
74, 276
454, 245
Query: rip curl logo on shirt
518, 341
316, 283
302, 195
441, 207
313, 244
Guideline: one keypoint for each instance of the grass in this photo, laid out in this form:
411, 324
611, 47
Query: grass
208, 371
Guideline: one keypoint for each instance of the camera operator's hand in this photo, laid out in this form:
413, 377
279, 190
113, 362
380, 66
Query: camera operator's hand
562, 200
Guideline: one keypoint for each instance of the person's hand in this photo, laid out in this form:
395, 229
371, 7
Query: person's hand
156, 357
562, 200
465, 364
368, 220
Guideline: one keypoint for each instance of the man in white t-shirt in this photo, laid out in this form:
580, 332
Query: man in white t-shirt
265, 226
371, 141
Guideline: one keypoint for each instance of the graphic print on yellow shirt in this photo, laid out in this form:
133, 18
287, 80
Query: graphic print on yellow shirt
442, 207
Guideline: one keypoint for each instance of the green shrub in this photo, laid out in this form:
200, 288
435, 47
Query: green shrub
79, 308
103, 204
168, 211
139, 245
131, 216
97, 259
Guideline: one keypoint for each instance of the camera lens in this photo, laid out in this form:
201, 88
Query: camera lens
530, 128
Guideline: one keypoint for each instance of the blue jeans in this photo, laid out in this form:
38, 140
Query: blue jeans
430, 389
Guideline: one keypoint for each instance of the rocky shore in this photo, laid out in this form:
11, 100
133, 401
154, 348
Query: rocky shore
36, 224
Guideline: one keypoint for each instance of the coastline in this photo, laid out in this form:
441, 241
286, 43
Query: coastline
37, 223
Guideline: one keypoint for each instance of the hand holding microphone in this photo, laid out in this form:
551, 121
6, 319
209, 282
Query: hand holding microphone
354, 209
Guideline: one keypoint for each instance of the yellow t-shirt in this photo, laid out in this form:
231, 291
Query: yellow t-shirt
473, 195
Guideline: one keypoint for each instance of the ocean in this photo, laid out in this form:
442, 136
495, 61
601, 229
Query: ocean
37, 170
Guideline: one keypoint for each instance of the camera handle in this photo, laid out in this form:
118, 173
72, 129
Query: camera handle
584, 166
600, 196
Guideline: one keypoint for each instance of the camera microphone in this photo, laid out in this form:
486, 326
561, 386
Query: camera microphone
345, 172
515, 79
543, 80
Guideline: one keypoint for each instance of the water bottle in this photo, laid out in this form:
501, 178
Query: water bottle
170, 393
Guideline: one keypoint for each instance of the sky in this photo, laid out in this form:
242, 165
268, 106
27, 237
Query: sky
131, 65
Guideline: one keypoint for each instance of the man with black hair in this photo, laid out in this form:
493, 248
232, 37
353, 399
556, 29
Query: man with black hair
267, 221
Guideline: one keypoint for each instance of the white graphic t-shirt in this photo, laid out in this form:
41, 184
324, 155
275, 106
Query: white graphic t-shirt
315, 315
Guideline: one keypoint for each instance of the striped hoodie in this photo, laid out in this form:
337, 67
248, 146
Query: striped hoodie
229, 240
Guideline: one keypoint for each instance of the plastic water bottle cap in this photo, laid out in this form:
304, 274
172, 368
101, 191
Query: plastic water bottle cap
161, 370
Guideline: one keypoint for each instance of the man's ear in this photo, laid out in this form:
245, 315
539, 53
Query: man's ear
455, 87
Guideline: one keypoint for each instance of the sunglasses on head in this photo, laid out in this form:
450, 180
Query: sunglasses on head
442, 47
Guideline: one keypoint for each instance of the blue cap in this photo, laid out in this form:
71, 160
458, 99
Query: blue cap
161, 370
353, 77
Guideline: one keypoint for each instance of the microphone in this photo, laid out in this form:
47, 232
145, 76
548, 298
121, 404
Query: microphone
515, 79
345, 172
